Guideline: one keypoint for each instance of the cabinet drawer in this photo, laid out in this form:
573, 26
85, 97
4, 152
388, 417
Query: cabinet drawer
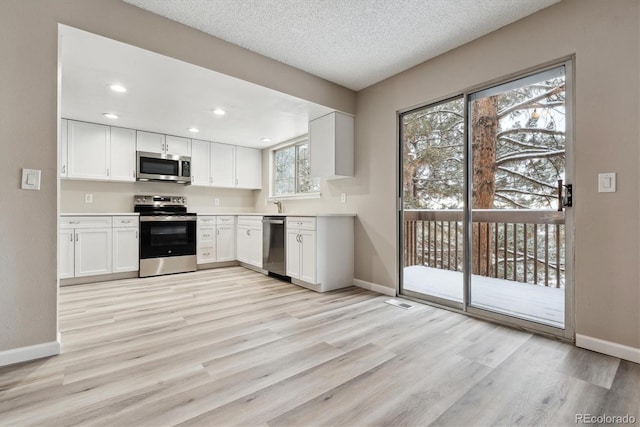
301, 222
225, 220
252, 220
205, 235
125, 221
67, 222
207, 220
205, 253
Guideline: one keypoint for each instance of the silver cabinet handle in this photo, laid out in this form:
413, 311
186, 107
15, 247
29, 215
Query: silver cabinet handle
166, 147
76, 237
134, 173
71, 237
64, 168
107, 172
210, 180
74, 222
248, 232
206, 235
136, 234
236, 181
127, 221
218, 231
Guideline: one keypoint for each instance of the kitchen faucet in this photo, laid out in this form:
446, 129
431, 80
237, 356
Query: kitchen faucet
278, 203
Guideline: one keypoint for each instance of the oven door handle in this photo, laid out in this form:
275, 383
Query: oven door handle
167, 218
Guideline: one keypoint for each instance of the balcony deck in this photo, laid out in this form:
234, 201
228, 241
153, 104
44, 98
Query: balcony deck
532, 302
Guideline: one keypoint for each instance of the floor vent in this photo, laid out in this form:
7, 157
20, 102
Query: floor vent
399, 303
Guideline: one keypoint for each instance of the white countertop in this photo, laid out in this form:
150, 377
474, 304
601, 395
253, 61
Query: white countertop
101, 214
275, 214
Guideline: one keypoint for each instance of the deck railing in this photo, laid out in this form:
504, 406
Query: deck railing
520, 245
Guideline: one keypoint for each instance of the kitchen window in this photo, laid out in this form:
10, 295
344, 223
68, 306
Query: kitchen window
291, 170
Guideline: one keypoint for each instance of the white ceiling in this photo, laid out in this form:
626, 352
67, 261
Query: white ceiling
354, 43
170, 96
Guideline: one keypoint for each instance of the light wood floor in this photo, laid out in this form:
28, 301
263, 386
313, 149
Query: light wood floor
233, 347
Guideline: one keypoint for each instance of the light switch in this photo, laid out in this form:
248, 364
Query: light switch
30, 179
607, 182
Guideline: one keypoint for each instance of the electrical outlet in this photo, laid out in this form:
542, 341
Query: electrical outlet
88, 198
343, 198
216, 201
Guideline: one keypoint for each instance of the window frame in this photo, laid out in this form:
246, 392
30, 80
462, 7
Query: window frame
295, 142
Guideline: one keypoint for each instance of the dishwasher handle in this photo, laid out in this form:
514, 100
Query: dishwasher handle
273, 221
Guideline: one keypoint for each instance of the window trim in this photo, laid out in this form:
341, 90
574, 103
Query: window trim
299, 140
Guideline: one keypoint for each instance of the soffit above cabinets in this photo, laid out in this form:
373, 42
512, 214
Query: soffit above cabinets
169, 96
354, 43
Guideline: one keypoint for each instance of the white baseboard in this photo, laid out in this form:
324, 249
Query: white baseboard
385, 290
625, 352
31, 352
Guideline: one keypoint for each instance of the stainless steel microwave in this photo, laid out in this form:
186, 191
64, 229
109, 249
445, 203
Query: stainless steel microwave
163, 167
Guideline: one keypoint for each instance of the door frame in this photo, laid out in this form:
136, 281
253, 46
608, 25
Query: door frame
566, 333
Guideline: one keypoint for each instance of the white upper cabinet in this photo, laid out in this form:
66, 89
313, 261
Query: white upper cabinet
62, 149
163, 144
331, 146
248, 168
222, 165
150, 142
123, 154
89, 155
200, 175
177, 146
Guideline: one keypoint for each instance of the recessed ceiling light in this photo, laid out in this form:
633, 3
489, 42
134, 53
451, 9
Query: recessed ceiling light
117, 88
194, 130
110, 115
265, 139
219, 112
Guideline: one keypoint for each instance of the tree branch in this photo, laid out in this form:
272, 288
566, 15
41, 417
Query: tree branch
520, 143
521, 105
515, 190
529, 130
513, 202
525, 156
541, 183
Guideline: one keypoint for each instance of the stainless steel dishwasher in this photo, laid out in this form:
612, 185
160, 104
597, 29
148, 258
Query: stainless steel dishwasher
273, 245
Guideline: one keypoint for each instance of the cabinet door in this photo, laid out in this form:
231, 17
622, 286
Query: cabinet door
66, 246
293, 254
88, 151
92, 251
150, 142
308, 256
248, 168
222, 165
225, 243
177, 146
200, 175
62, 152
255, 247
125, 249
243, 243
123, 154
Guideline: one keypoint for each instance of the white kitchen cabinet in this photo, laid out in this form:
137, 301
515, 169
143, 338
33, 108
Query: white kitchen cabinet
222, 165
123, 155
301, 248
177, 146
200, 175
66, 243
88, 155
126, 244
150, 142
249, 240
92, 251
62, 149
331, 139
206, 239
225, 239
319, 252
248, 168
163, 144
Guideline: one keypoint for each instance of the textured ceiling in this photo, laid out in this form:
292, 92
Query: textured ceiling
354, 43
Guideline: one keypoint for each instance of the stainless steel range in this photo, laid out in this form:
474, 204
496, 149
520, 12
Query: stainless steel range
167, 235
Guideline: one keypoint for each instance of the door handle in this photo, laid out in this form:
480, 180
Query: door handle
565, 195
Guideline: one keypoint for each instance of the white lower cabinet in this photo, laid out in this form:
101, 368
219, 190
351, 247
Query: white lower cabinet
249, 240
216, 239
94, 245
126, 244
320, 252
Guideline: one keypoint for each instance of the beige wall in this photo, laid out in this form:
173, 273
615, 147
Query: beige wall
28, 117
604, 36
111, 197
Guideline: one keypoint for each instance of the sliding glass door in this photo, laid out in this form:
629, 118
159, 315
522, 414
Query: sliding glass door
483, 223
